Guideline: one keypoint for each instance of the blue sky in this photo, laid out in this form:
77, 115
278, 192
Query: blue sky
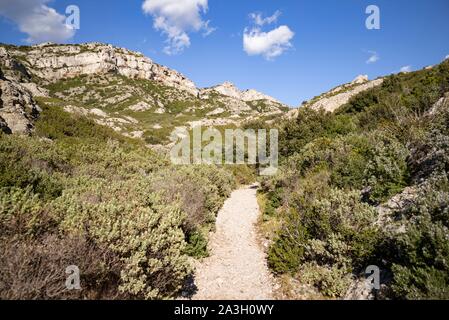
330, 45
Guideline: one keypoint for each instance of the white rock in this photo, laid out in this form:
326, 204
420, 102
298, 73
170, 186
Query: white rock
98, 112
216, 111
333, 102
140, 106
360, 79
61, 62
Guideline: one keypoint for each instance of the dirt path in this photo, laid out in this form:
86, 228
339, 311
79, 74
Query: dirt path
236, 268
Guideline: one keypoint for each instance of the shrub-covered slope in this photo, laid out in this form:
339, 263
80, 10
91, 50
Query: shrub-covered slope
120, 89
76, 193
367, 185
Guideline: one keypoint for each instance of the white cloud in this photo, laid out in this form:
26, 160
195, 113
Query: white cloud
207, 29
446, 57
259, 20
406, 69
373, 58
40, 22
269, 44
176, 19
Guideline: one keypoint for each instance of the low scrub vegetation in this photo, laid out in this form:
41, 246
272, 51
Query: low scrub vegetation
76, 193
338, 171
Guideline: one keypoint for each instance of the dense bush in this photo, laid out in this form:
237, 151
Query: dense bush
335, 168
309, 125
79, 194
335, 231
420, 253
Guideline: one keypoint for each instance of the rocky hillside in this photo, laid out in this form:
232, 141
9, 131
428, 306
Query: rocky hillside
120, 89
339, 96
17, 107
364, 185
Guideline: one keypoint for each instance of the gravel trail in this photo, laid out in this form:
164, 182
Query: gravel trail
236, 268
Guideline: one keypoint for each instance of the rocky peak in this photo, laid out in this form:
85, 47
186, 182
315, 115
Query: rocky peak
334, 99
230, 90
17, 108
360, 79
253, 95
54, 62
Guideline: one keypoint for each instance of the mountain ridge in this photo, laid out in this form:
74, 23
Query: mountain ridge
70, 60
121, 89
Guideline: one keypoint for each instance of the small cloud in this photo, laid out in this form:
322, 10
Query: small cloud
176, 19
406, 69
260, 21
40, 22
446, 57
207, 29
373, 58
269, 44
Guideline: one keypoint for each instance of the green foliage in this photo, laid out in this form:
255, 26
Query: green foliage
335, 231
336, 167
415, 92
54, 123
421, 253
386, 172
310, 125
375, 162
331, 281
133, 216
274, 201
197, 245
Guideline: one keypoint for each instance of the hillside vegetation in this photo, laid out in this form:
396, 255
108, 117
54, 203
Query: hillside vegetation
76, 193
366, 185
123, 90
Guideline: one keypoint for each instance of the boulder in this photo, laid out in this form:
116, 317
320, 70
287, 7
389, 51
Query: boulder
17, 107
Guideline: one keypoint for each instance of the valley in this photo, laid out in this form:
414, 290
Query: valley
86, 180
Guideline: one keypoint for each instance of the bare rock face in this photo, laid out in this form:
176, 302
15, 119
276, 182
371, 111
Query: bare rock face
336, 98
4, 126
35, 90
227, 89
238, 102
230, 90
293, 113
17, 108
55, 62
12, 67
440, 104
360, 79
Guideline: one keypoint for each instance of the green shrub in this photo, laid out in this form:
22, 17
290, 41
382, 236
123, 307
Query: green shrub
334, 166
310, 125
197, 245
386, 172
330, 281
335, 230
77, 186
420, 254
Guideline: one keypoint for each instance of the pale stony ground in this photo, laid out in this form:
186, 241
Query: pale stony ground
236, 268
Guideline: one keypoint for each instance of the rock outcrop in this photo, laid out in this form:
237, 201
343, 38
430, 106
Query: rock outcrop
230, 90
360, 79
108, 83
334, 99
440, 104
17, 108
13, 68
54, 62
